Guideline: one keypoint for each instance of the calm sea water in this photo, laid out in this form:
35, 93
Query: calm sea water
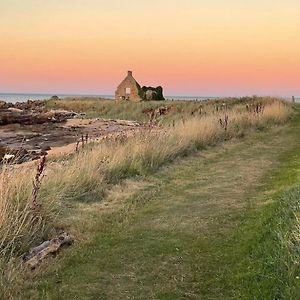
13, 98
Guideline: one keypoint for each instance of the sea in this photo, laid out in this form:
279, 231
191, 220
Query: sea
13, 98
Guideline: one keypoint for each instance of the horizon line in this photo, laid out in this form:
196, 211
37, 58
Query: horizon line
112, 95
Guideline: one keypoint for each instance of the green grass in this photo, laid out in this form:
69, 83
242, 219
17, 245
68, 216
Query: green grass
216, 225
275, 252
88, 175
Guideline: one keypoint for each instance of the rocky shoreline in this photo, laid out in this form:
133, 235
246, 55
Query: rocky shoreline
29, 130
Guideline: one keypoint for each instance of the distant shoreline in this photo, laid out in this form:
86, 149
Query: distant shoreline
16, 97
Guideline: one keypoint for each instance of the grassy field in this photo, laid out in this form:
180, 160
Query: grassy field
217, 225
94, 107
74, 187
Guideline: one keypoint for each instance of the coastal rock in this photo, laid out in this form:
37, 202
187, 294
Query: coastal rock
29, 105
5, 105
20, 114
55, 98
16, 156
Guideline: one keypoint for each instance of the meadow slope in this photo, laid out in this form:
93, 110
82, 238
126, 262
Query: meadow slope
215, 225
114, 198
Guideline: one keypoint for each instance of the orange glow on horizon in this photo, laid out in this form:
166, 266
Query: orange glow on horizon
190, 48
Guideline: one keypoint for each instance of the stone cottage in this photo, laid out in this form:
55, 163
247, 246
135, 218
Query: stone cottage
129, 89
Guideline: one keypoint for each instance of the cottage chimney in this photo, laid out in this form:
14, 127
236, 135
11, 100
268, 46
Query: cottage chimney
129, 73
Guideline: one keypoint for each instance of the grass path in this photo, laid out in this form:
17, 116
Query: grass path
188, 234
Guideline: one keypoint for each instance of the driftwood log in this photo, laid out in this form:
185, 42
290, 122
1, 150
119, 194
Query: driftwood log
37, 254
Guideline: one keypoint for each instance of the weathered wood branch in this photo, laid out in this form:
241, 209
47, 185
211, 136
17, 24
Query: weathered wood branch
37, 254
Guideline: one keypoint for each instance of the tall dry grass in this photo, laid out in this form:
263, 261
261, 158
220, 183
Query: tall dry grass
21, 221
108, 162
95, 107
88, 175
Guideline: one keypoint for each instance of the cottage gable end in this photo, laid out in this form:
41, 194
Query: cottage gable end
129, 89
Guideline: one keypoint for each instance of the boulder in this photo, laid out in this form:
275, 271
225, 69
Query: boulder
55, 98
5, 105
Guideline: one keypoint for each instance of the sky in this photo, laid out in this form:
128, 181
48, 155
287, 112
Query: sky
190, 47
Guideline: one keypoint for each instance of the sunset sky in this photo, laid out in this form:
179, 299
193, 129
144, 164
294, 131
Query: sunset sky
190, 47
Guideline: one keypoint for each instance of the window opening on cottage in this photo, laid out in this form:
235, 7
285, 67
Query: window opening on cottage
128, 91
